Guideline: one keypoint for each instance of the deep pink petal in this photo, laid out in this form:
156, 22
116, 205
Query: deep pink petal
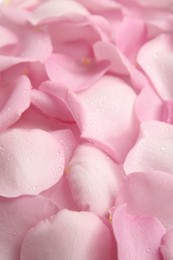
71, 235
148, 193
92, 182
17, 216
153, 150
14, 100
31, 161
109, 100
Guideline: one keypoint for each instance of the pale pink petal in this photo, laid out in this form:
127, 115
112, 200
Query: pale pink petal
109, 100
14, 15
55, 9
69, 235
137, 236
167, 245
60, 195
32, 118
74, 74
156, 59
155, 3
130, 45
50, 106
31, 161
153, 150
149, 106
94, 179
17, 216
119, 63
7, 37
148, 193
70, 30
98, 6
105, 50
14, 100
36, 45
69, 141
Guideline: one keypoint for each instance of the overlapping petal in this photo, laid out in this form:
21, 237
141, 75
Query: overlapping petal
148, 193
75, 74
71, 235
14, 100
17, 216
137, 236
153, 150
167, 245
156, 59
109, 100
30, 161
93, 178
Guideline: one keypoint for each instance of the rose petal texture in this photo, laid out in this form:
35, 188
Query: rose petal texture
75, 74
14, 100
138, 237
148, 193
156, 59
93, 178
16, 218
109, 100
65, 232
167, 245
30, 162
55, 9
153, 150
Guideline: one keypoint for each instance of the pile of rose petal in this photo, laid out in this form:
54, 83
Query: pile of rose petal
86, 130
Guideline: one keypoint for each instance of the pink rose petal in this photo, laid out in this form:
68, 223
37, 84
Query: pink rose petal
149, 105
50, 106
60, 194
109, 100
17, 216
71, 235
31, 161
138, 237
55, 9
93, 178
156, 59
14, 100
74, 74
148, 193
167, 245
153, 150
130, 45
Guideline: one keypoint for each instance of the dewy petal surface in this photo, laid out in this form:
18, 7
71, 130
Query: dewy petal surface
148, 193
30, 162
109, 100
71, 235
137, 236
17, 216
153, 150
93, 179
156, 59
14, 100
